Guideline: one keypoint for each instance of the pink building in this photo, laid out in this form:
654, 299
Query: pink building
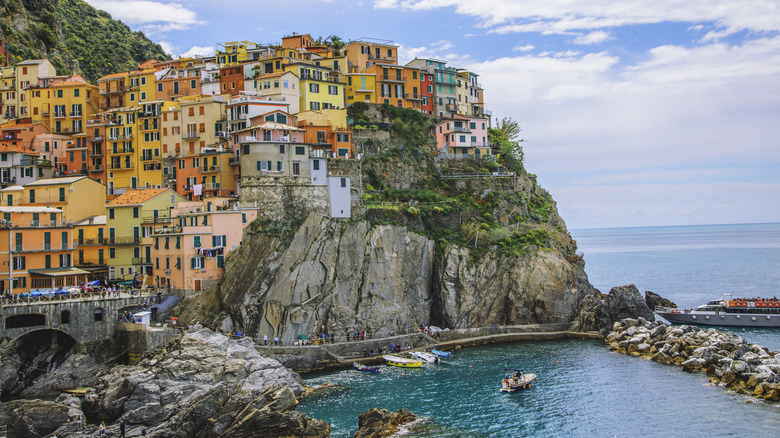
190, 245
463, 136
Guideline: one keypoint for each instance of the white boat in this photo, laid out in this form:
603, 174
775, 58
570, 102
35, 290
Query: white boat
728, 311
517, 380
425, 357
441, 353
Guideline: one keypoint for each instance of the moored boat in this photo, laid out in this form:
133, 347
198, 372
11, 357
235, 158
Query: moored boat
399, 361
365, 368
441, 353
728, 311
517, 380
425, 357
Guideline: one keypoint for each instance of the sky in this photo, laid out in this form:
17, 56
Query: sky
633, 113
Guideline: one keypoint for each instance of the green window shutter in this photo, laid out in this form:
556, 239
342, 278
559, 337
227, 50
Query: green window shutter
220, 261
196, 241
192, 263
213, 240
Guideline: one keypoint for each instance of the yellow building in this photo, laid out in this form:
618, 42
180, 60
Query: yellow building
78, 197
148, 144
121, 157
320, 87
112, 90
142, 85
361, 87
64, 105
28, 75
8, 103
236, 52
91, 251
129, 221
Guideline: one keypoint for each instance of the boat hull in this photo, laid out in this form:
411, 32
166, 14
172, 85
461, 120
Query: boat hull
441, 353
403, 362
722, 319
508, 385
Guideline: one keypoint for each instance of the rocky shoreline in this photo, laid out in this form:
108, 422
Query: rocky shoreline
727, 359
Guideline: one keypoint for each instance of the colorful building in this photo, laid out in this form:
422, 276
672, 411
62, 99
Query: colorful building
91, 251
366, 52
190, 246
280, 86
320, 87
463, 136
36, 249
78, 197
129, 222
361, 87
327, 130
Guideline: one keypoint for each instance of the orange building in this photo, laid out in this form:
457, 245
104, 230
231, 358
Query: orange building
231, 79
36, 247
398, 85
21, 134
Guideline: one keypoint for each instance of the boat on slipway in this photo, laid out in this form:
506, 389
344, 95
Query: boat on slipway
441, 353
425, 357
399, 361
365, 368
517, 380
728, 311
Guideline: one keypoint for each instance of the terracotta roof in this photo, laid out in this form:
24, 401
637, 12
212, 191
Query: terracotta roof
113, 76
6, 147
136, 196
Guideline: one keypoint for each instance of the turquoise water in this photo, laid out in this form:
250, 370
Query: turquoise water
584, 389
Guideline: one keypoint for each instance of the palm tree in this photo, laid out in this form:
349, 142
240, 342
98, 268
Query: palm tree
336, 44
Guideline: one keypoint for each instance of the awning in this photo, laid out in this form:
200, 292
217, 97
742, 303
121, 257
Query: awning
58, 272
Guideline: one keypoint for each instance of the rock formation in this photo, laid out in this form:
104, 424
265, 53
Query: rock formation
598, 312
727, 359
204, 385
379, 423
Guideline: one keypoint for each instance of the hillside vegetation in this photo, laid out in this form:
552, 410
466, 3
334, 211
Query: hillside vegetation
74, 36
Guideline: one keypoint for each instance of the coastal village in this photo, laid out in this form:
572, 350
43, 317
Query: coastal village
150, 177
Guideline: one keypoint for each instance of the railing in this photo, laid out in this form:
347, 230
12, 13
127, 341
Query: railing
119, 166
34, 162
51, 224
460, 129
190, 135
96, 139
96, 241
135, 240
41, 248
214, 186
169, 230
412, 96
140, 261
9, 180
234, 160
157, 220
211, 168
96, 168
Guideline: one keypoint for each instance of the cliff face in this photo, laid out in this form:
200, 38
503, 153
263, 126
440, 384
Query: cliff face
336, 276
420, 248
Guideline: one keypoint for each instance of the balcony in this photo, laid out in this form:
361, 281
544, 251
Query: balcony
127, 150
412, 96
212, 186
95, 139
141, 261
75, 114
146, 157
234, 160
393, 79
157, 220
51, 224
28, 161
381, 58
168, 230
7, 180
208, 169
46, 247
451, 107
113, 90
190, 135
135, 240
460, 129
96, 168
142, 114
119, 166
89, 242
95, 153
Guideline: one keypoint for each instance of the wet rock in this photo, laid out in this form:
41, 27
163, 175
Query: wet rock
653, 299
379, 423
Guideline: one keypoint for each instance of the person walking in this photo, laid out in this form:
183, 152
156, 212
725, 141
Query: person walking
122, 429
80, 423
265, 339
276, 340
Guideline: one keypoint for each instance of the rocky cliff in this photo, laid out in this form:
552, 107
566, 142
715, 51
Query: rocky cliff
425, 249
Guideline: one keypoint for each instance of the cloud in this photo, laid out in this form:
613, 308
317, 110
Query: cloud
595, 37
600, 130
436, 49
153, 17
196, 51
564, 16
523, 48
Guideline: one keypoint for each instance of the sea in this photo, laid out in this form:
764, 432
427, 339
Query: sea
584, 389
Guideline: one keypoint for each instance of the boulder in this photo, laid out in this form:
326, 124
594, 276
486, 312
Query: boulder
33, 417
694, 364
379, 423
653, 299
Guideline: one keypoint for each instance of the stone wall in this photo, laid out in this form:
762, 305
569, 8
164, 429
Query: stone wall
276, 201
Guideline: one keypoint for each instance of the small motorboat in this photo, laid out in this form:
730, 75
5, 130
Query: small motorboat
365, 368
398, 361
517, 380
441, 353
425, 357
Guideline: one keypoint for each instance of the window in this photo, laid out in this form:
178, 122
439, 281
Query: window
316, 164
342, 137
135, 212
159, 87
333, 90
197, 263
220, 261
279, 166
314, 106
300, 150
196, 241
143, 95
218, 240
111, 213
281, 148
473, 125
314, 88
296, 169
193, 84
343, 182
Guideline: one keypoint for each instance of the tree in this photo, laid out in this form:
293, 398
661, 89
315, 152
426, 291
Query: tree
336, 43
504, 140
